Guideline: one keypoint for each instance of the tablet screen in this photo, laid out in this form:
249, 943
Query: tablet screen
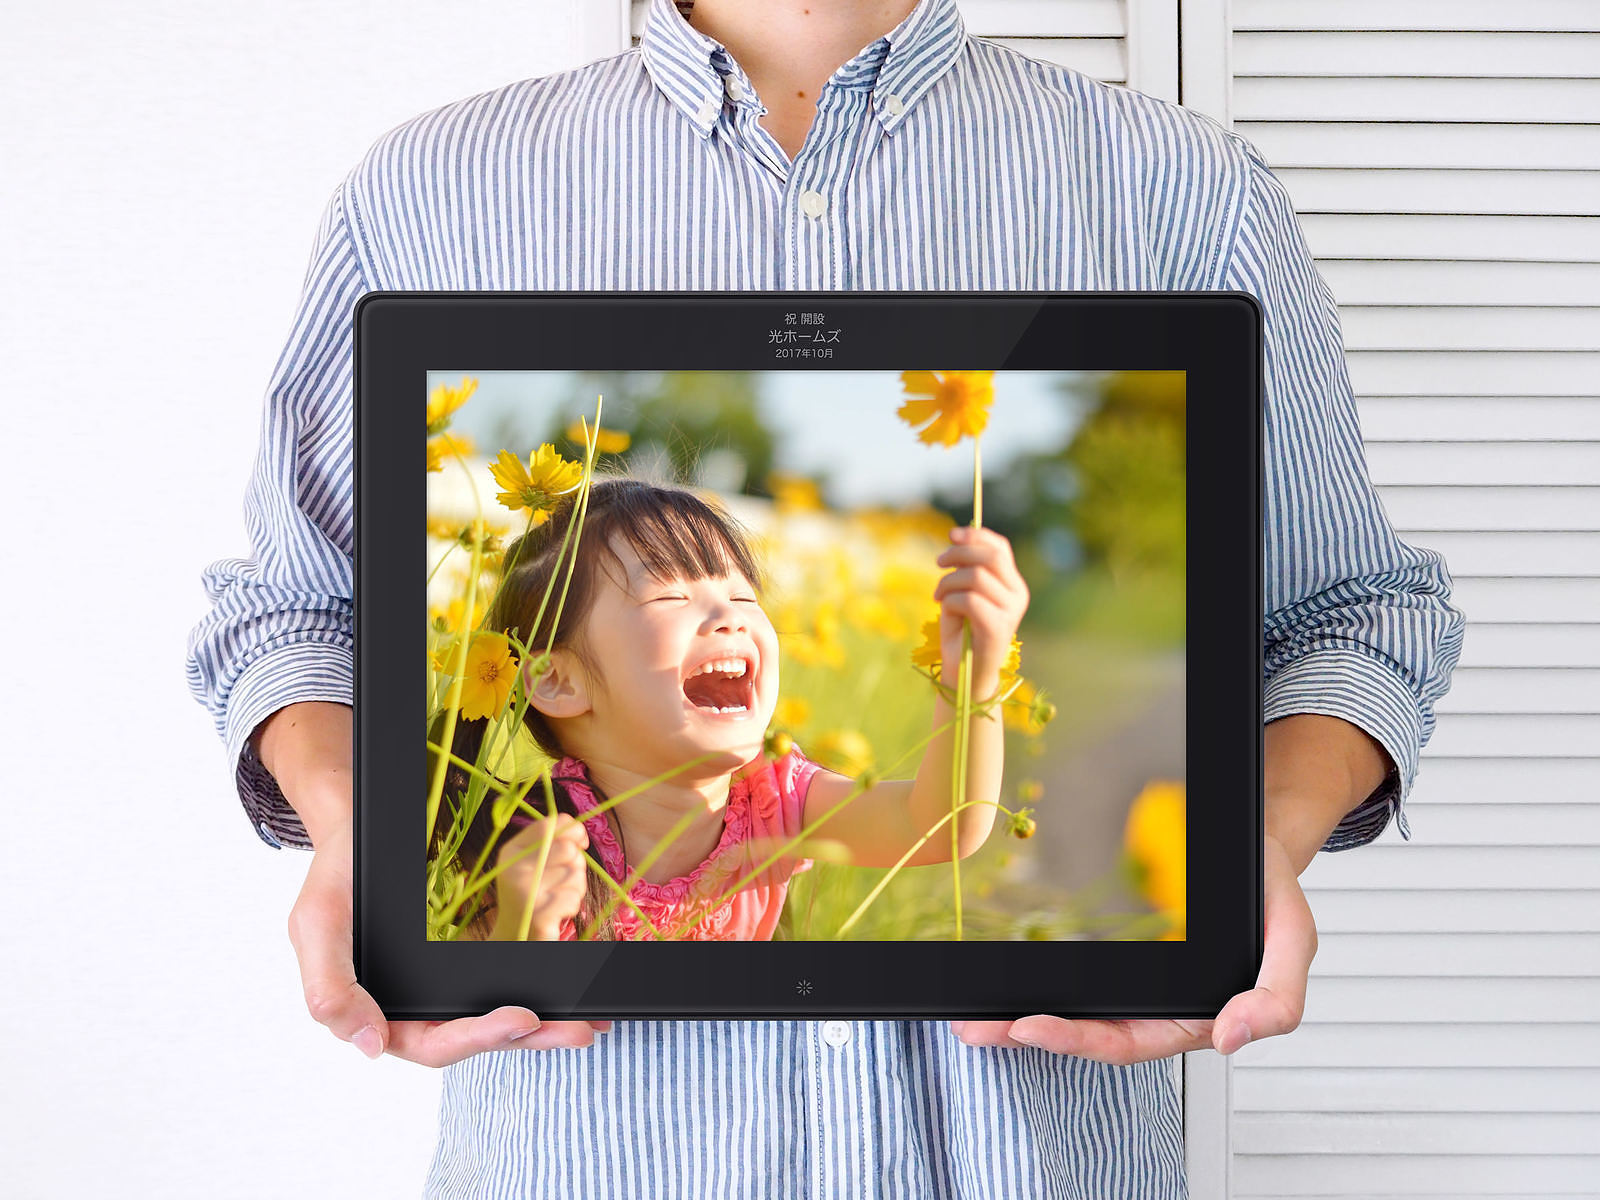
703, 628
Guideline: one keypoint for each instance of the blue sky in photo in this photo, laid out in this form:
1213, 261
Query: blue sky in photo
841, 423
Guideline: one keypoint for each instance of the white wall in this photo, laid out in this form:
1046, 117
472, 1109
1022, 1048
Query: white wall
162, 169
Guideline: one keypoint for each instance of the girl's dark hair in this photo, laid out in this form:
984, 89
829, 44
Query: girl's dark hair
676, 534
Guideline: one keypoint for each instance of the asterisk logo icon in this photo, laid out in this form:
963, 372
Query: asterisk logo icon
803, 987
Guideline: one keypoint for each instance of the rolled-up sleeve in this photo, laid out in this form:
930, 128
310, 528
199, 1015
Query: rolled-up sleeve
1359, 624
281, 627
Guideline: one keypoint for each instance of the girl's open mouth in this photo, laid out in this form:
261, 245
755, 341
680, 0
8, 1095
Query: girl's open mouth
724, 685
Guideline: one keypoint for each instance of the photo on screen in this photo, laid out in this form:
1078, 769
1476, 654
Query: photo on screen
686, 657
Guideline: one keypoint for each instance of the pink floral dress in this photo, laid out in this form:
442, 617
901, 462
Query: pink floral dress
765, 803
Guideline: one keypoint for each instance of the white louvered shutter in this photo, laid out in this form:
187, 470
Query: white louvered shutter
1445, 162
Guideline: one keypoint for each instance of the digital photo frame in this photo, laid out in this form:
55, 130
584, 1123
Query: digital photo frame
806, 426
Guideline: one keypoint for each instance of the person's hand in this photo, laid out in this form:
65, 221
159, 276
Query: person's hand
561, 885
1273, 1006
320, 930
985, 588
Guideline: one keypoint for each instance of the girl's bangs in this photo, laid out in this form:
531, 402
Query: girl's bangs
678, 535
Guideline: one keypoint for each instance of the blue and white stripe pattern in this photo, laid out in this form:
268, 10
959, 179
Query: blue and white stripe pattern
936, 161
775, 1110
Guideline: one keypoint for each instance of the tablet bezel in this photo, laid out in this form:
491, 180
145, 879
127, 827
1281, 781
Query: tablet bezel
1214, 337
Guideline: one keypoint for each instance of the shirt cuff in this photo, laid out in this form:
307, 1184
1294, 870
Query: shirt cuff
287, 674
1338, 681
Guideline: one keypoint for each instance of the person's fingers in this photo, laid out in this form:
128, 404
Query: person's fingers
554, 1035
319, 930
985, 560
1120, 1043
569, 828
441, 1043
985, 1033
957, 580
975, 606
1117, 1042
568, 831
1277, 1002
975, 579
985, 546
522, 852
553, 908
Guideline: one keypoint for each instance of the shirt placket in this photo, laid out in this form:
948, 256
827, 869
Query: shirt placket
838, 1118
812, 198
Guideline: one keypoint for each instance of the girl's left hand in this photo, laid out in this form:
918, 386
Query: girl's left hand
1274, 1006
986, 588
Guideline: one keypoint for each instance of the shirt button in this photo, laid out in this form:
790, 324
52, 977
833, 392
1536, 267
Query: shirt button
709, 109
894, 104
735, 88
835, 1033
813, 204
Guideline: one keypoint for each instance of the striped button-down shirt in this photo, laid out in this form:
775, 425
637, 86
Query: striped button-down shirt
936, 160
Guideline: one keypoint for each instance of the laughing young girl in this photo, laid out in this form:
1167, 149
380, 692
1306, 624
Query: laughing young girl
662, 654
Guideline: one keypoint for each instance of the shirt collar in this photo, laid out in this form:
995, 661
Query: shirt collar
693, 70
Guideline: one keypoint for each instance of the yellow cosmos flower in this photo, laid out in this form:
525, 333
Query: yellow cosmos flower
1156, 840
846, 751
890, 526
948, 405
444, 400
794, 493
930, 655
1018, 711
491, 670
439, 655
928, 521
874, 614
606, 441
792, 712
814, 641
535, 486
453, 615
447, 445
465, 533
909, 584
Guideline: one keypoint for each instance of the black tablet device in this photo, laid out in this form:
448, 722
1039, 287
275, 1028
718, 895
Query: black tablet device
705, 739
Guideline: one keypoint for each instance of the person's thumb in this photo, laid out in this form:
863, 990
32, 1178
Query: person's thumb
1277, 1002
319, 930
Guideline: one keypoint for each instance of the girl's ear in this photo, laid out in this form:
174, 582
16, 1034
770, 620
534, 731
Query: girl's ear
563, 690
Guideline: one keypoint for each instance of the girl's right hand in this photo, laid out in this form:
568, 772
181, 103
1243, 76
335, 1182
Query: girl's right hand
561, 888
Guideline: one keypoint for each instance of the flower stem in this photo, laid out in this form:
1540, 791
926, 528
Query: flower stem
963, 738
525, 918
977, 485
958, 794
810, 830
950, 816
637, 874
583, 511
453, 703
448, 550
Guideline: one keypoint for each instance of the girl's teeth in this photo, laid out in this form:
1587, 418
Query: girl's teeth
728, 666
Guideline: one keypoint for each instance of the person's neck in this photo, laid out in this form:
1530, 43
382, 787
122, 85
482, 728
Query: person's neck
789, 48
649, 816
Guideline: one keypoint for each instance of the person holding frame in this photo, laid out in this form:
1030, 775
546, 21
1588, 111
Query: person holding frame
824, 145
